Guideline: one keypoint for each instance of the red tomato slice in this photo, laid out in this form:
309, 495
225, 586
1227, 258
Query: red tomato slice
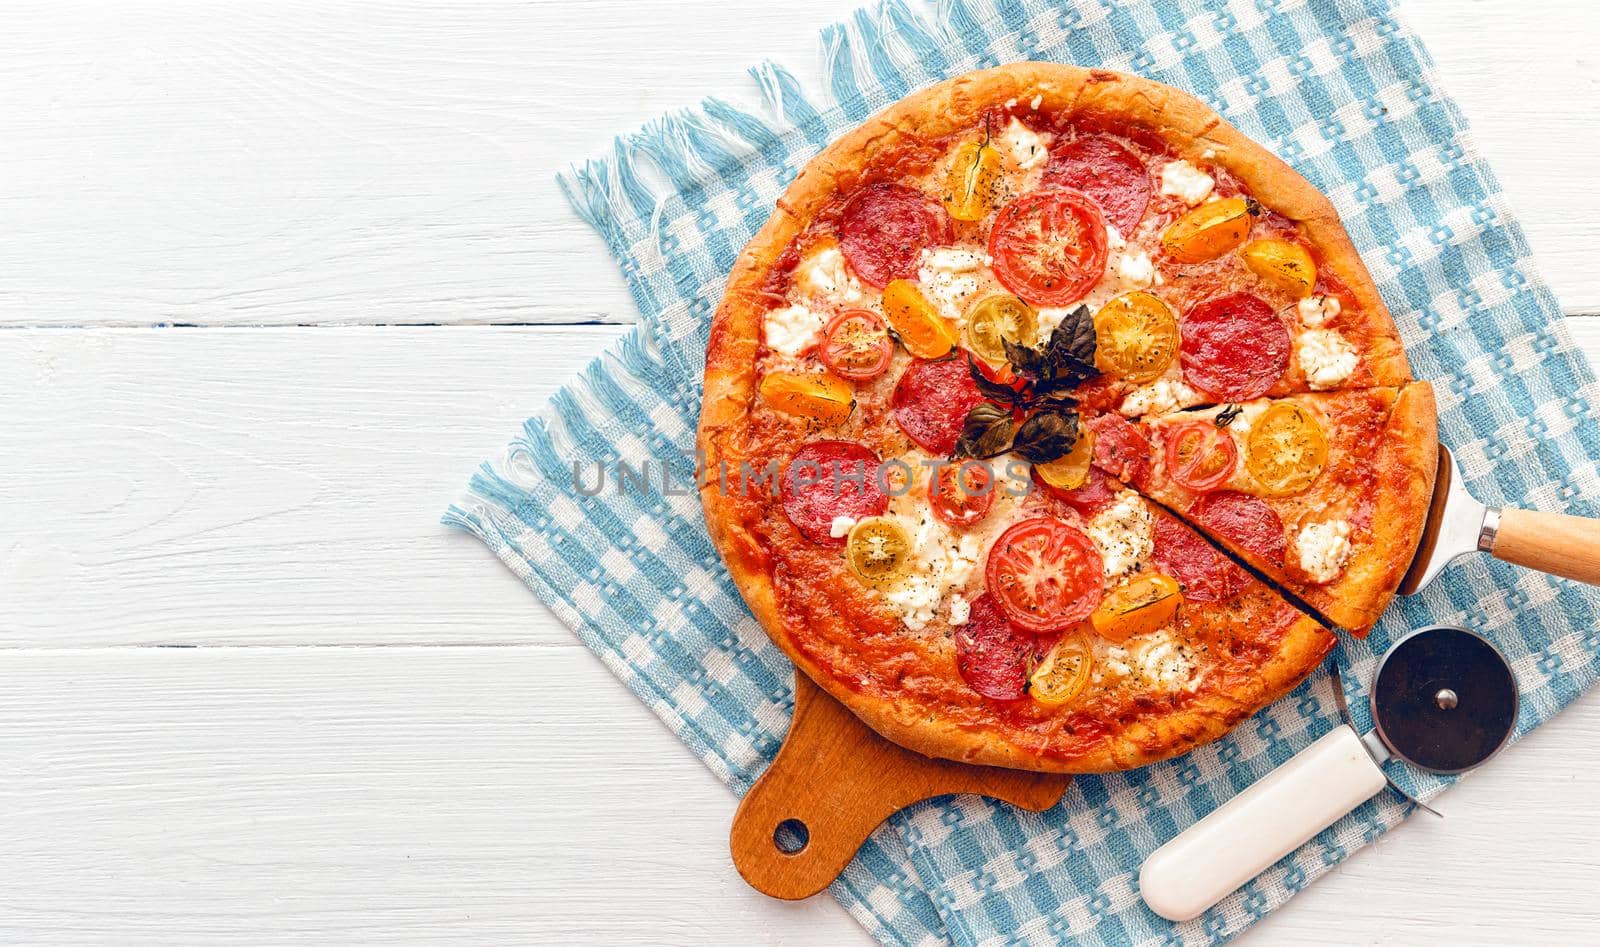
1200, 456
993, 656
856, 345
1234, 347
1045, 574
962, 493
828, 479
884, 228
1248, 521
931, 401
1111, 175
1121, 449
1049, 246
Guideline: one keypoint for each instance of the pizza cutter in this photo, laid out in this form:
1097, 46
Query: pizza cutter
1444, 700
1556, 543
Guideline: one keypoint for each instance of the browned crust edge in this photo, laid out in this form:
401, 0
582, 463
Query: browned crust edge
1190, 128
1407, 464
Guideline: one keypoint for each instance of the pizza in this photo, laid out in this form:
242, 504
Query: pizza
1051, 423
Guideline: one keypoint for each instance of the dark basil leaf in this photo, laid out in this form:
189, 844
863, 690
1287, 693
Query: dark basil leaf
993, 390
986, 432
1228, 415
1054, 398
1072, 341
1252, 207
1025, 361
1047, 435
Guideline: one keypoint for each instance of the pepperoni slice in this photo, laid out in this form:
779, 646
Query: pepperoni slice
1234, 347
1205, 574
1107, 173
884, 228
993, 655
1121, 450
827, 479
1246, 520
1095, 494
931, 401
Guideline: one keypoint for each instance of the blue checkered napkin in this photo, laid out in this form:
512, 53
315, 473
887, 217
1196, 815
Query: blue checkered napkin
1339, 89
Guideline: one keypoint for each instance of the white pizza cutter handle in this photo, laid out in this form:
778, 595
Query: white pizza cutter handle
1247, 834
1557, 543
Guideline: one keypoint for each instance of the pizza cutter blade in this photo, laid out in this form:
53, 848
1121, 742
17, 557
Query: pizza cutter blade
1458, 524
1444, 700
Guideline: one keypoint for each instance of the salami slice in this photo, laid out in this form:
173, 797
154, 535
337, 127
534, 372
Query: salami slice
1095, 494
1234, 347
931, 401
828, 479
884, 228
1246, 520
993, 656
1105, 172
1120, 449
1205, 574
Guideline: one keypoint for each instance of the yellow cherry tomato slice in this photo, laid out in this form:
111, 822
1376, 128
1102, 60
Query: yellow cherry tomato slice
921, 329
970, 190
1135, 337
1062, 674
1209, 230
820, 397
1286, 449
1070, 470
994, 320
878, 550
1282, 264
1142, 605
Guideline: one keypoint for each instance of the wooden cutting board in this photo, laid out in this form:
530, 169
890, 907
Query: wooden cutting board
834, 780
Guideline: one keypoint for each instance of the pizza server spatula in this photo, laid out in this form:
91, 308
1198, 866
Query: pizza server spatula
1556, 543
1444, 700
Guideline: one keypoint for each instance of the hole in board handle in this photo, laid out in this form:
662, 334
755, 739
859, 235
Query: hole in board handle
791, 836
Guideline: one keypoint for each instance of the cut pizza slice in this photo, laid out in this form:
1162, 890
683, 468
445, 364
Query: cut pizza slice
1325, 493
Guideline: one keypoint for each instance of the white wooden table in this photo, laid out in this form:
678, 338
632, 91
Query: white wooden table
271, 283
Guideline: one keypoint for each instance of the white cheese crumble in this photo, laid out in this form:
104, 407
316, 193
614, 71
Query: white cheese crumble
940, 562
792, 329
1123, 532
841, 526
1155, 660
1326, 357
1136, 271
1186, 182
960, 610
824, 275
1315, 311
1035, 103
1162, 396
949, 276
1114, 238
1027, 148
1323, 547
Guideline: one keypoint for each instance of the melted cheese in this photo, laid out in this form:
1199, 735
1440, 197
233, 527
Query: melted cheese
1315, 311
1027, 149
792, 329
950, 276
1124, 534
1326, 357
1324, 548
824, 275
1186, 182
1162, 396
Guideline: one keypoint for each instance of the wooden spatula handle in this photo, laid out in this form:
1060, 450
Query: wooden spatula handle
1556, 543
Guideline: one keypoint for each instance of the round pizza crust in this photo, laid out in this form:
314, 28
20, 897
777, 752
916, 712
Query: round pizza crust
1191, 130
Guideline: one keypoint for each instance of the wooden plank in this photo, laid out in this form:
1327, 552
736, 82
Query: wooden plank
359, 795
346, 164
263, 486
516, 795
270, 486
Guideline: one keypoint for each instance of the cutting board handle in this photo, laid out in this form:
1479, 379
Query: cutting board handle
1557, 543
839, 780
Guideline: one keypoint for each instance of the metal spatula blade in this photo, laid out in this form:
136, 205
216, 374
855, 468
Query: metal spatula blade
1457, 524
